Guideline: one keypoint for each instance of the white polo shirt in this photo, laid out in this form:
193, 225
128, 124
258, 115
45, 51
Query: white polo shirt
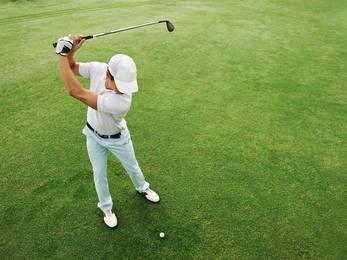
108, 119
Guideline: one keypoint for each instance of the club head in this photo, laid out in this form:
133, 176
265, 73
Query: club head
170, 27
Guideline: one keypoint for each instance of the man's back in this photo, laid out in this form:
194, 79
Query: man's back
112, 107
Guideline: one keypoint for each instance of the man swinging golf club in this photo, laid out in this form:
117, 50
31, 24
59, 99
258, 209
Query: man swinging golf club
108, 101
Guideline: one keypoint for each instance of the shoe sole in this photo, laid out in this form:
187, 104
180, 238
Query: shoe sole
109, 226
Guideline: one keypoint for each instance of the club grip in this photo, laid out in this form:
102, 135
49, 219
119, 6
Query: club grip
85, 37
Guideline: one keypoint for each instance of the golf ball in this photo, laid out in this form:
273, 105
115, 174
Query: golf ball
162, 234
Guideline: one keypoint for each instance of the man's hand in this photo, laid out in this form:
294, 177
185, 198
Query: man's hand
78, 41
64, 46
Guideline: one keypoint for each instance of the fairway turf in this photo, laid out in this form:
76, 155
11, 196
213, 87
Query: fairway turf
239, 125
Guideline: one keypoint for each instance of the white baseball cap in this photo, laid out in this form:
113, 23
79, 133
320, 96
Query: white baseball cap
123, 69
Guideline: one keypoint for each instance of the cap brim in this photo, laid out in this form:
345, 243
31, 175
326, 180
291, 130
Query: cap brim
127, 87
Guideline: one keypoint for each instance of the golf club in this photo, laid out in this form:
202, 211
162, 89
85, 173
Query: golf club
169, 27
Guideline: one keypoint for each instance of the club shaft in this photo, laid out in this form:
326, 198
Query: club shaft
117, 30
123, 29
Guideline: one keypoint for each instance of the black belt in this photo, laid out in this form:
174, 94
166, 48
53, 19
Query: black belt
103, 136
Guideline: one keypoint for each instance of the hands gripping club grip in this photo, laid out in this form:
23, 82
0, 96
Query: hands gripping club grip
85, 37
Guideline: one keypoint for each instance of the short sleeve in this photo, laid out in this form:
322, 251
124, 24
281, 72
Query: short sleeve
113, 104
86, 69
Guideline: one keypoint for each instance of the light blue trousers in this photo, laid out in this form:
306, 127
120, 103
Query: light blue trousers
98, 150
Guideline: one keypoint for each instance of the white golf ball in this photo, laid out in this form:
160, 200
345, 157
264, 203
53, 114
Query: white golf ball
162, 234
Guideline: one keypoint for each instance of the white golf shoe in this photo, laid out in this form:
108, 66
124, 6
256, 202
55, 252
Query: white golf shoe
151, 195
110, 218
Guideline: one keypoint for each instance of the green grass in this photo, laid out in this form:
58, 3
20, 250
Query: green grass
240, 125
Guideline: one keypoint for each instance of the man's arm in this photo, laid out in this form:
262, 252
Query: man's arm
78, 41
73, 86
75, 67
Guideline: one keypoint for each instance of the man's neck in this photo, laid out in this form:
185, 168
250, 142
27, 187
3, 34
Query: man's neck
114, 89
110, 86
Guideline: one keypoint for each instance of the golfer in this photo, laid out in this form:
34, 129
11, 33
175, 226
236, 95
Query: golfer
108, 101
